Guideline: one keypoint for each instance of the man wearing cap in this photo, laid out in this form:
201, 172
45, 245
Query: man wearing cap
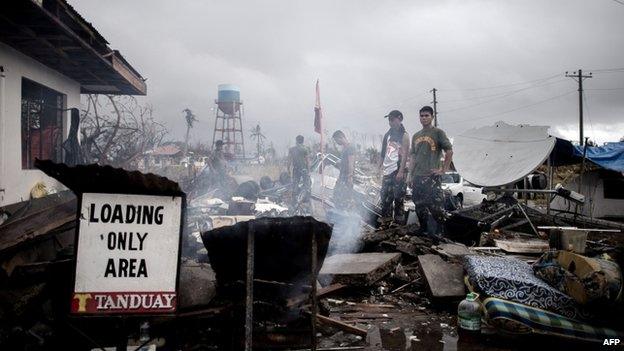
394, 151
425, 169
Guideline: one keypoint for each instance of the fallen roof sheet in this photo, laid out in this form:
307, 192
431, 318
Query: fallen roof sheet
501, 154
106, 179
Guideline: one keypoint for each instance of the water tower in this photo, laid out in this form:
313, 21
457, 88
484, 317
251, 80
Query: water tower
228, 120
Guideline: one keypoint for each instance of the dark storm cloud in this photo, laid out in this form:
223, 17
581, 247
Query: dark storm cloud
373, 56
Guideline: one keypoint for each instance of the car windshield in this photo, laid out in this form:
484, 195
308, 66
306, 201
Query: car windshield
449, 178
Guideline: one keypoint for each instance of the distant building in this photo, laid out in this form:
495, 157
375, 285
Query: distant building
162, 156
49, 55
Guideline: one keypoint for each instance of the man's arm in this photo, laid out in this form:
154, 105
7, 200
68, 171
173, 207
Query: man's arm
412, 160
448, 158
289, 163
445, 145
307, 161
350, 168
404, 152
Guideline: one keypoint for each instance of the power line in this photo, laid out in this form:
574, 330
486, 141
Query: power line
619, 2
506, 85
500, 96
501, 93
514, 109
591, 126
605, 89
607, 69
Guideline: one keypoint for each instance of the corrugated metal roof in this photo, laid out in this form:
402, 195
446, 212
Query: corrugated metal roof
166, 150
106, 179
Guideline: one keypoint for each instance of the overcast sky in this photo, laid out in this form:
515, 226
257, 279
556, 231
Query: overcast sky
490, 60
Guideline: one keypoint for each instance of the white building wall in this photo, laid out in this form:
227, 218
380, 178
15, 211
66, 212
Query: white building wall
596, 206
16, 181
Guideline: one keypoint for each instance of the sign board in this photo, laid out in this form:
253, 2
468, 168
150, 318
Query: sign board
127, 254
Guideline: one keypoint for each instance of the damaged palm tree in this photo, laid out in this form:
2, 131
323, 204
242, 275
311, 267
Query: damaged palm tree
190, 118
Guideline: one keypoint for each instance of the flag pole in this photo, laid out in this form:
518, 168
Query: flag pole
322, 134
318, 127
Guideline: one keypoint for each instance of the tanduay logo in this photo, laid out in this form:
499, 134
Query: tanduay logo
139, 302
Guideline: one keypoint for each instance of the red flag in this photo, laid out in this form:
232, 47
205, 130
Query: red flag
318, 114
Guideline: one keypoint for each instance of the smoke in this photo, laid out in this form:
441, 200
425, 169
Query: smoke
346, 233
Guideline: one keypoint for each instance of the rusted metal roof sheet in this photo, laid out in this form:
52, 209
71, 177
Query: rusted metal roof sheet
106, 179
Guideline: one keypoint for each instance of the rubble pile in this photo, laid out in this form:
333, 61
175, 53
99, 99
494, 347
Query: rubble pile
391, 287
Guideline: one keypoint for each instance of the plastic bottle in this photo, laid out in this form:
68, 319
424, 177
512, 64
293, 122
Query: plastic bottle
469, 314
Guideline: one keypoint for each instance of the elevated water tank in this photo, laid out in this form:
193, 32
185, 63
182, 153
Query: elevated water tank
228, 98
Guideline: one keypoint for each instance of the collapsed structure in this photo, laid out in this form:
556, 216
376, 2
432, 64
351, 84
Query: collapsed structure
244, 267
250, 275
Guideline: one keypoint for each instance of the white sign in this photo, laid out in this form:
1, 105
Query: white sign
127, 254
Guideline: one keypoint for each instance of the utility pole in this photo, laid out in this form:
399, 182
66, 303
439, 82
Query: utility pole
578, 76
435, 107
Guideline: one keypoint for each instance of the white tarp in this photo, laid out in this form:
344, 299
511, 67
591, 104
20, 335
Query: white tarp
501, 154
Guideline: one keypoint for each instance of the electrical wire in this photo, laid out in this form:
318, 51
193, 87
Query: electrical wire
506, 85
605, 89
586, 113
498, 94
514, 109
500, 97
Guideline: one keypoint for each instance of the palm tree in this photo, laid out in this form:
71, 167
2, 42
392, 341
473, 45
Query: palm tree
256, 133
190, 118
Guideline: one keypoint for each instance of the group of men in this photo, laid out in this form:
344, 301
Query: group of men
417, 163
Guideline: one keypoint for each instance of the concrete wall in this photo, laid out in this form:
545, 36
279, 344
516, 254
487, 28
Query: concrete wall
16, 181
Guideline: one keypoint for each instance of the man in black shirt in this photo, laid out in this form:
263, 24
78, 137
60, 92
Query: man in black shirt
299, 168
394, 151
343, 190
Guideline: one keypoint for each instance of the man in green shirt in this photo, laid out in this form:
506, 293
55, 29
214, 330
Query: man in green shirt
425, 169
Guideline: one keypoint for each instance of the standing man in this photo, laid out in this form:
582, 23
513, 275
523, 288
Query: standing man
425, 169
343, 190
299, 169
394, 151
217, 160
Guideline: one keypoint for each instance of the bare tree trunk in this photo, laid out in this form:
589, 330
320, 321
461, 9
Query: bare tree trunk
186, 140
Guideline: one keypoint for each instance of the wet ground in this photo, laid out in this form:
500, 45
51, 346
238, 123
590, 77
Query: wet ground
418, 328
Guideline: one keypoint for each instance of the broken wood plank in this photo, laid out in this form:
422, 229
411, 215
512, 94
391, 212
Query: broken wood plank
37, 225
452, 250
363, 315
361, 269
381, 235
445, 280
530, 246
320, 293
341, 325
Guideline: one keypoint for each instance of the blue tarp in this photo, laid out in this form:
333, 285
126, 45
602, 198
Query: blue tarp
609, 156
